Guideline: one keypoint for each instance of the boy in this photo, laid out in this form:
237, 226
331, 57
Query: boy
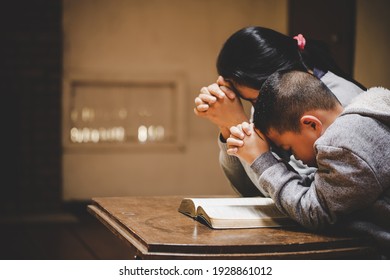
350, 147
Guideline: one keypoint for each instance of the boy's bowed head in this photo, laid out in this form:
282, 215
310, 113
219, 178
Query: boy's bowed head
293, 110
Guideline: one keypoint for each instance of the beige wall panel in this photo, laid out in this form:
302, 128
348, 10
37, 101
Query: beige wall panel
149, 37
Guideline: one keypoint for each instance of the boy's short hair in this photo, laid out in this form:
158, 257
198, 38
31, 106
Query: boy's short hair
286, 96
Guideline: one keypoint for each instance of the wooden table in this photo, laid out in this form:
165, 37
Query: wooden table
154, 229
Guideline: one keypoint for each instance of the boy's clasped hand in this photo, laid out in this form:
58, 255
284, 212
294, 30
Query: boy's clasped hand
246, 142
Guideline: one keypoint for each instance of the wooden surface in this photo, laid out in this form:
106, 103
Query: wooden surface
154, 229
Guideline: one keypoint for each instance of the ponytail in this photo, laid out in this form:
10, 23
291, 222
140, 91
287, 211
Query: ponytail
317, 56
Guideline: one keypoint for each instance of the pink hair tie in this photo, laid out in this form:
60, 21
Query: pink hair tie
301, 41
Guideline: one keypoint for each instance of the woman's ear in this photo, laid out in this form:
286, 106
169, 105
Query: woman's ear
311, 122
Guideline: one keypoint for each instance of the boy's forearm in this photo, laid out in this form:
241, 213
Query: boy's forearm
237, 174
293, 194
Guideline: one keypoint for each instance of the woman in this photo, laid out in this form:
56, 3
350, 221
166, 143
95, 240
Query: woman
245, 61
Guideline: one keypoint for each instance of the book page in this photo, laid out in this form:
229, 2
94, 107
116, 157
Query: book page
237, 212
187, 207
238, 216
231, 201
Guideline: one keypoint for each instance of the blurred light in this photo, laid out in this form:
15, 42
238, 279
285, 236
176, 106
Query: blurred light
151, 133
160, 133
95, 136
122, 114
87, 114
73, 115
119, 134
88, 135
156, 133
142, 133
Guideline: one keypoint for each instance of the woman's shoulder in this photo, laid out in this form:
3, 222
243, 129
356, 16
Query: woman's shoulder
344, 90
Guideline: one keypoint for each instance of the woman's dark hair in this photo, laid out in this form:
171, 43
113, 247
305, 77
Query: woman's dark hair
253, 53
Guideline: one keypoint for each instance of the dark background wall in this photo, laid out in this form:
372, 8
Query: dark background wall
31, 73
311, 18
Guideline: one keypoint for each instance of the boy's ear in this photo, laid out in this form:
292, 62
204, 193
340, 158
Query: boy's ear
312, 123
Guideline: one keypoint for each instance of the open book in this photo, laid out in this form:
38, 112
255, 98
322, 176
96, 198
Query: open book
237, 212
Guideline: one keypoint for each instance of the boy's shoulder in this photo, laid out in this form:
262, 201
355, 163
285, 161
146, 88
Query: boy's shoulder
375, 103
344, 129
362, 135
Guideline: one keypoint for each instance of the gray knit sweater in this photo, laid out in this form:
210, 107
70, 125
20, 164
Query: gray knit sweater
352, 184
